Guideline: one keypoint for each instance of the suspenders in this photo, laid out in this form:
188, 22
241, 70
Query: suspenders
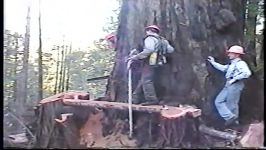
235, 68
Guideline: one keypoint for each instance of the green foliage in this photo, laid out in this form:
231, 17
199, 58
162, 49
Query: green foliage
112, 22
97, 61
12, 44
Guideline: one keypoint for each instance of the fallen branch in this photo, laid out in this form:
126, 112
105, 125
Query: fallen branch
216, 133
98, 78
21, 123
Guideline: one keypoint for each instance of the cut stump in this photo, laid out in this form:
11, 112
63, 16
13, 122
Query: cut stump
61, 120
254, 137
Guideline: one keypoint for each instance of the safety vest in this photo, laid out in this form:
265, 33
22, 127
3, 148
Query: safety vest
158, 56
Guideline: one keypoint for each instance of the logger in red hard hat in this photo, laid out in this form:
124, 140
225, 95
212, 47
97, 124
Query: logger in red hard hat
155, 48
227, 100
111, 39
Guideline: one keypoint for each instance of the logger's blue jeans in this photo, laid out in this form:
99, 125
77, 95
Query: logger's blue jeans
227, 100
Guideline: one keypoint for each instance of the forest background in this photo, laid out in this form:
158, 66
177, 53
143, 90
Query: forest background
55, 46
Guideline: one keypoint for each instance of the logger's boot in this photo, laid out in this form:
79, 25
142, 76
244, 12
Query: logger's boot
135, 99
231, 122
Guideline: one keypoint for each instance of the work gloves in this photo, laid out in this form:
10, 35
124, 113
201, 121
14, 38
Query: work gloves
211, 59
133, 52
133, 55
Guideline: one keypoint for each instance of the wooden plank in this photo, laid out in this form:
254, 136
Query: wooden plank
174, 111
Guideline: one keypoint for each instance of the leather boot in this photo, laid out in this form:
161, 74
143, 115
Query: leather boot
231, 121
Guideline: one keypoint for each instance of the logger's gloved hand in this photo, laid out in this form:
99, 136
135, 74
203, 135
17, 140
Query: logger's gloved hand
211, 59
134, 57
133, 52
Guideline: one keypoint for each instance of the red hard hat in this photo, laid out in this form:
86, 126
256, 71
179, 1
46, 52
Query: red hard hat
153, 27
109, 36
236, 49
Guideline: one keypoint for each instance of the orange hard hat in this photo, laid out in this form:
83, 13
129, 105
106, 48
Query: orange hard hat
153, 27
236, 49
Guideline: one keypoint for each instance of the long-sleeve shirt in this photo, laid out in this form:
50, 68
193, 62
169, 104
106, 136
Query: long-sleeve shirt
237, 69
150, 44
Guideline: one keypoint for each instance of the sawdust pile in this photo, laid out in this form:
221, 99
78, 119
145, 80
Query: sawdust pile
92, 135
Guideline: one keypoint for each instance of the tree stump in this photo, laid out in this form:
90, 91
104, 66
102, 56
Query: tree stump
58, 125
254, 137
178, 130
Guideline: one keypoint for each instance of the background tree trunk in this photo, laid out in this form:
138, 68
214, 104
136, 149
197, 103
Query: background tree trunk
196, 29
254, 88
68, 67
64, 69
250, 28
61, 69
21, 72
57, 71
15, 71
40, 57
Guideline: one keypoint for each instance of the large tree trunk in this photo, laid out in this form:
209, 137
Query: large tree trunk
196, 29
